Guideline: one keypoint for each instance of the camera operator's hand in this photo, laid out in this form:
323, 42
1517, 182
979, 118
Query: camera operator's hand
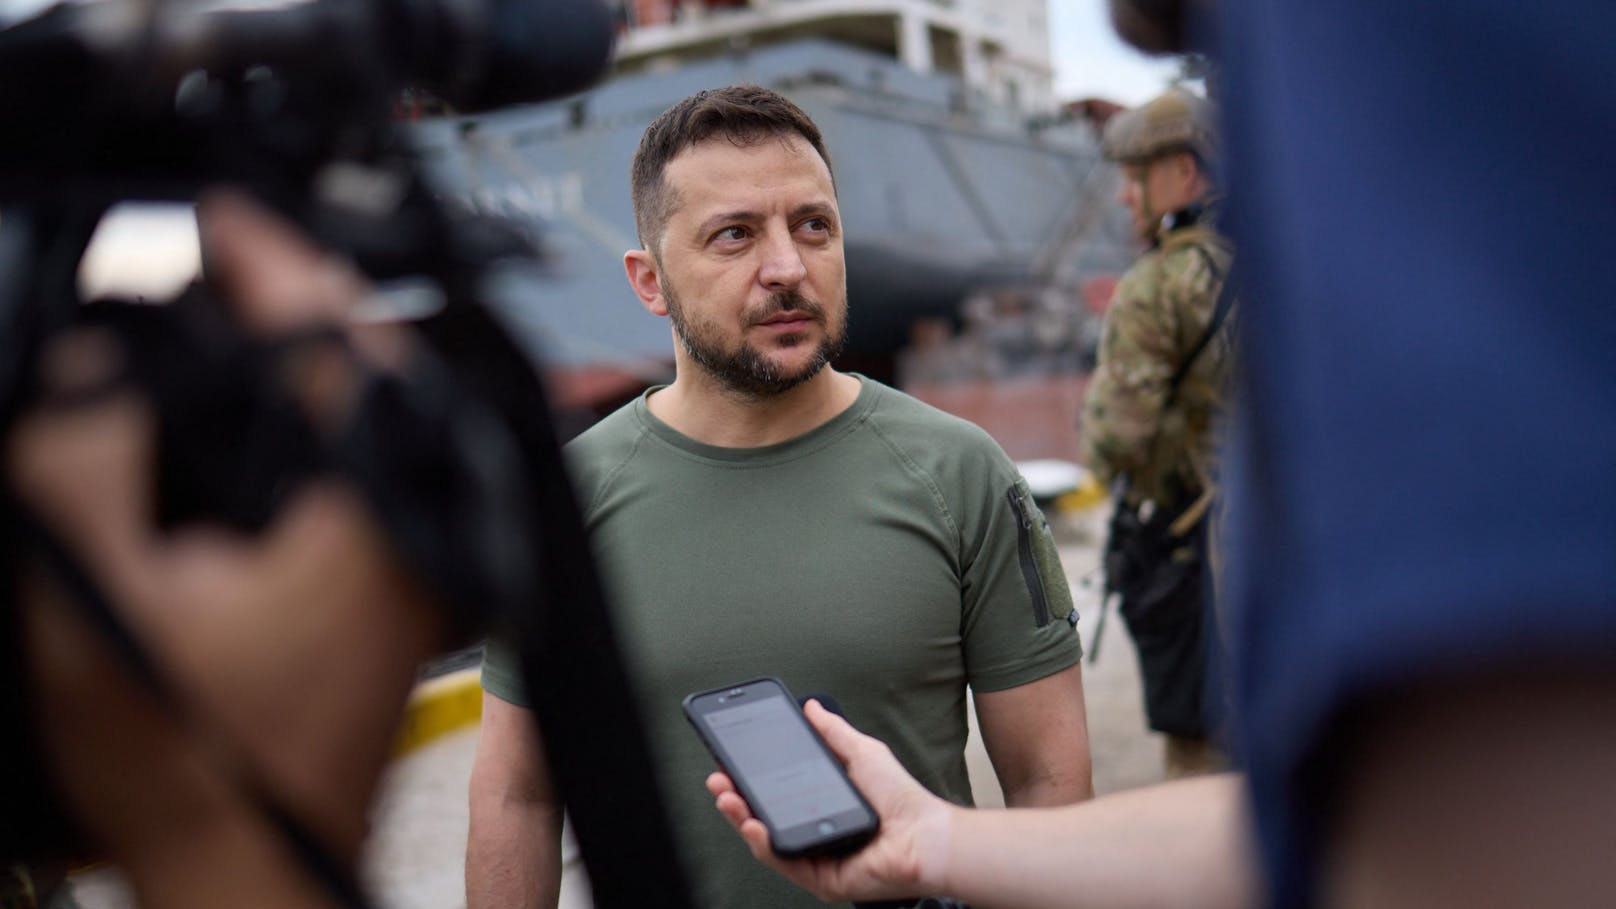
292, 651
279, 286
907, 856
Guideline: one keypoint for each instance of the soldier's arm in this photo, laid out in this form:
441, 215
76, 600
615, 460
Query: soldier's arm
1138, 355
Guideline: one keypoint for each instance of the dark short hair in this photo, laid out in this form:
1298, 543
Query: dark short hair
744, 114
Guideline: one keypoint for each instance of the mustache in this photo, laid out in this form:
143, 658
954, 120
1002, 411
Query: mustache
788, 301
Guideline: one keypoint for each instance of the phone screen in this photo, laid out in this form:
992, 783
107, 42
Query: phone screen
781, 762
757, 731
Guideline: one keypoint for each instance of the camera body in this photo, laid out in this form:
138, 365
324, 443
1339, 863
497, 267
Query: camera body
116, 101
120, 100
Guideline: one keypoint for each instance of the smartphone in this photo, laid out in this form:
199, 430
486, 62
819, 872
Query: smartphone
788, 775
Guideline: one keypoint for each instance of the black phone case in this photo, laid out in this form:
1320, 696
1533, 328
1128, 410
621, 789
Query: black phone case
841, 844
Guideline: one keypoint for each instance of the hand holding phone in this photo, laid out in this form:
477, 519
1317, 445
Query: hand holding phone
907, 857
788, 776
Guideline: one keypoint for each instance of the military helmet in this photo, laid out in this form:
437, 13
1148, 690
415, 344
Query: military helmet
1173, 121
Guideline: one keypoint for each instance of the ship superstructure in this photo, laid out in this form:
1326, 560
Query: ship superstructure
999, 49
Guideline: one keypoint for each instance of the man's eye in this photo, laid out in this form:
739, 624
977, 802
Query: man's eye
731, 233
818, 225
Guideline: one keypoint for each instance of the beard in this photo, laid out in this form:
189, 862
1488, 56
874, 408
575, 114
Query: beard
744, 368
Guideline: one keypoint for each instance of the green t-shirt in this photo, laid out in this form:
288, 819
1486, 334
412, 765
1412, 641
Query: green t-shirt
887, 558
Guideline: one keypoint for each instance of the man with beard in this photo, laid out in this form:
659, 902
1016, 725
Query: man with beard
765, 514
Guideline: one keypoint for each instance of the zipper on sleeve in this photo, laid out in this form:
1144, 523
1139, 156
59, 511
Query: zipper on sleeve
1029, 559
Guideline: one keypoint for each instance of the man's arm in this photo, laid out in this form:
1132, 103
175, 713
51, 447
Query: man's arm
1185, 843
1037, 737
1161, 307
513, 853
240, 626
1181, 843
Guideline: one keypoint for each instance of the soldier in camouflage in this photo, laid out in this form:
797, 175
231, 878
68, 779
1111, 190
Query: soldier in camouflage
1137, 428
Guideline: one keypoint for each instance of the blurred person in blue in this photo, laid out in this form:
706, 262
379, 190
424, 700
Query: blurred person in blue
1422, 483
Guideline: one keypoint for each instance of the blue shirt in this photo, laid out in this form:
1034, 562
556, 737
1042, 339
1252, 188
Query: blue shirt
1423, 196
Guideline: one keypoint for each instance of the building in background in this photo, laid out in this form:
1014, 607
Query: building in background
999, 49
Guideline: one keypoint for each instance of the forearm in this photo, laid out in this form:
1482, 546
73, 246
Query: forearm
1070, 782
1037, 737
1176, 844
513, 856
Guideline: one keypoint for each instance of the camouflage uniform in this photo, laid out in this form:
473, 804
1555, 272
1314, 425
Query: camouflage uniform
1159, 314
1161, 309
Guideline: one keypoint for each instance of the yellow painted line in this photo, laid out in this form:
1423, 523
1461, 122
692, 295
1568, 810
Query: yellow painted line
440, 706
1086, 496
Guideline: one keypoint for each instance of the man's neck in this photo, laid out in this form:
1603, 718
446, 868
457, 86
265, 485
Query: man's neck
714, 414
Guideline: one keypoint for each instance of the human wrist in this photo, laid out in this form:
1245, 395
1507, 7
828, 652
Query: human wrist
935, 846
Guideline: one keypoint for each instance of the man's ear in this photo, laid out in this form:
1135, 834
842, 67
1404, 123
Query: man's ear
641, 268
1187, 172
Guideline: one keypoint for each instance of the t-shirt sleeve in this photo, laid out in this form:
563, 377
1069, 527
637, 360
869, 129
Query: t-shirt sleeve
1017, 621
502, 672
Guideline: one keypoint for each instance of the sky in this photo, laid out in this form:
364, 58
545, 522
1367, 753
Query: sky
1091, 61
